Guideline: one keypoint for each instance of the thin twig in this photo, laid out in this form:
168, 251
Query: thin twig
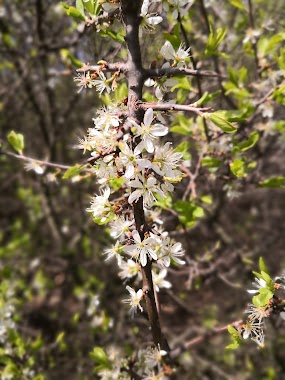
173, 107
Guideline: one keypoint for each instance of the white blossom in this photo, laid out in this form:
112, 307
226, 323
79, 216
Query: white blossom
32, 165
141, 248
178, 56
114, 251
84, 81
100, 206
149, 21
146, 188
131, 159
129, 269
148, 131
165, 160
120, 227
153, 356
134, 300
102, 84
179, 7
168, 250
159, 280
257, 312
254, 330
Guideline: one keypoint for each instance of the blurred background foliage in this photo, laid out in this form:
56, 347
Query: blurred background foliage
59, 298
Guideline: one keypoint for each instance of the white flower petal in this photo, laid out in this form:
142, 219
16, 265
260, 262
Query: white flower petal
148, 144
136, 236
148, 117
155, 20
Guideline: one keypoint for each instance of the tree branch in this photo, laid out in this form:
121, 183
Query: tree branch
152, 73
173, 107
131, 18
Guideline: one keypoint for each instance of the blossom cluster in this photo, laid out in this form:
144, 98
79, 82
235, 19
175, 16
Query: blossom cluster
131, 158
148, 364
131, 153
147, 170
258, 311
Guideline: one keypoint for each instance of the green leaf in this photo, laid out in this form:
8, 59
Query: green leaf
233, 115
116, 36
182, 125
233, 346
183, 83
275, 182
99, 356
72, 171
238, 4
211, 162
80, 7
238, 168
184, 149
207, 199
249, 143
67, 57
268, 279
16, 140
262, 298
163, 202
214, 40
89, 5
235, 338
73, 12
206, 97
174, 38
218, 119
117, 183
188, 213
262, 265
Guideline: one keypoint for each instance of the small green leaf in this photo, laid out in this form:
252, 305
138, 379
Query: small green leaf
275, 182
163, 202
117, 183
249, 143
211, 162
184, 149
74, 13
116, 36
89, 5
207, 199
183, 83
262, 298
233, 346
72, 171
218, 119
80, 7
16, 140
100, 357
238, 168
238, 4
214, 40
188, 213
262, 265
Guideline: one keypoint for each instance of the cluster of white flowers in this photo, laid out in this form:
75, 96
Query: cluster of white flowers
177, 58
6, 322
97, 79
147, 169
255, 323
132, 155
148, 364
